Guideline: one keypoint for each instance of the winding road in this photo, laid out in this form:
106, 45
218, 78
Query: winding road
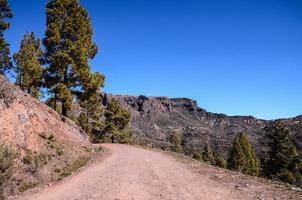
132, 173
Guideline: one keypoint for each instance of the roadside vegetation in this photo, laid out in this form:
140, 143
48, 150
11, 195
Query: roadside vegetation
243, 157
8, 156
210, 156
176, 142
282, 163
64, 74
61, 75
71, 168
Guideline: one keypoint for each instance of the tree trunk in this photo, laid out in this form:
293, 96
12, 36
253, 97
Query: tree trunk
64, 110
20, 83
55, 103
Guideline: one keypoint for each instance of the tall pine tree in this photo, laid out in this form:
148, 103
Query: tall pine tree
243, 157
284, 161
5, 13
28, 65
69, 47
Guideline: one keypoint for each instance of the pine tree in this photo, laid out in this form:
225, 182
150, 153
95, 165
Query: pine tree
207, 155
284, 161
117, 119
243, 157
28, 65
5, 13
210, 156
69, 47
219, 160
91, 103
176, 142
83, 122
197, 155
91, 99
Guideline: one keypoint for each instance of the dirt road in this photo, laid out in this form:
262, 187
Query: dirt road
138, 174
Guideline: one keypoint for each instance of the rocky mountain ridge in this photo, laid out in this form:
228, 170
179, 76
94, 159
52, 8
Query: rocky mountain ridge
155, 118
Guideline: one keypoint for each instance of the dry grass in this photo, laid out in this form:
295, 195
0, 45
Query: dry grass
71, 168
7, 157
27, 185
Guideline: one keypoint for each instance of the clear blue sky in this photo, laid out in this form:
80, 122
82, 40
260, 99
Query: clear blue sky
235, 57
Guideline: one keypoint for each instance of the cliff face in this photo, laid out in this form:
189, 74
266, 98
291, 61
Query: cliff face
155, 118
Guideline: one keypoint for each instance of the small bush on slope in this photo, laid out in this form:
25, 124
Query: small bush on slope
207, 155
73, 167
210, 156
176, 142
7, 92
7, 157
219, 160
197, 155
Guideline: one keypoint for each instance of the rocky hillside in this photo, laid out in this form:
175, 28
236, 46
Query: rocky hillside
45, 143
154, 119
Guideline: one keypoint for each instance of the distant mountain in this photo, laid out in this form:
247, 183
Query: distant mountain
155, 118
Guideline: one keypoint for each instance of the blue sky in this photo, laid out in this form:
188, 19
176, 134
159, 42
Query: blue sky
235, 57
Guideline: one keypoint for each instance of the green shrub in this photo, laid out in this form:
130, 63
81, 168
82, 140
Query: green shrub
176, 142
51, 138
105, 139
59, 151
286, 176
73, 167
7, 92
38, 161
7, 157
219, 160
54, 145
197, 155
26, 186
207, 155
123, 136
210, 156
27, 159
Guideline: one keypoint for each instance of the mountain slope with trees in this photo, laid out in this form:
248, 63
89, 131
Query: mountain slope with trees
154, 119
39, 145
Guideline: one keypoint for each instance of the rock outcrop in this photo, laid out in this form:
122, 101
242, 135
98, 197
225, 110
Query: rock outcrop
45, 142
155, 118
